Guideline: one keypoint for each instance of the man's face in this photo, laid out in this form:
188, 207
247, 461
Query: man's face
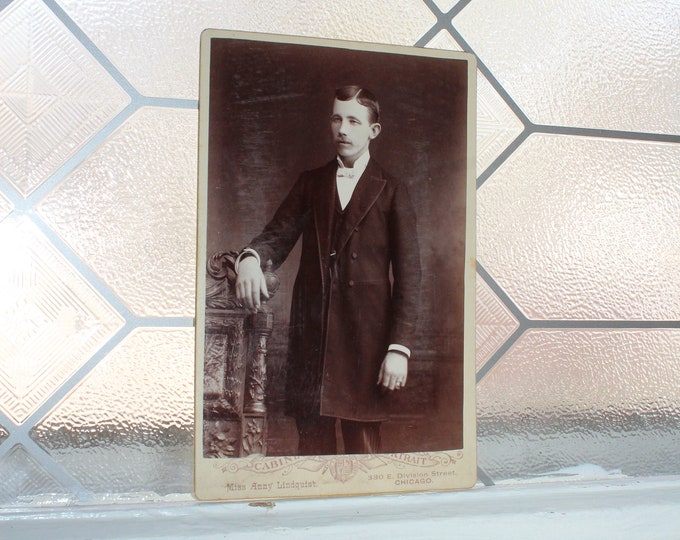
352, 130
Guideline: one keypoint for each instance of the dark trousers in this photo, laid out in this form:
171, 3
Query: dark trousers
317, 436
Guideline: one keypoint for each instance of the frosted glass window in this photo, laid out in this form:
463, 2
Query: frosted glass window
54, 95
129, 210
135, 35
607, 398
24, 481
585, 228
51, 320
582, 63
578, 300
134, 435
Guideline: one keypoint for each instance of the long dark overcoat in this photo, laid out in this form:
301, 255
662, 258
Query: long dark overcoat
346, 307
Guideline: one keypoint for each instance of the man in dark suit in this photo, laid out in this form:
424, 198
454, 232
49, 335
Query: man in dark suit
355, 298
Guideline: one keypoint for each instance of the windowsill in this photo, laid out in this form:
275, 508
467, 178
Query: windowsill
616, 508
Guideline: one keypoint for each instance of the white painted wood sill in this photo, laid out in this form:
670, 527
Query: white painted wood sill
619, 508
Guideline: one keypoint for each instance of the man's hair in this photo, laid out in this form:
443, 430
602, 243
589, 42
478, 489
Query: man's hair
364, 97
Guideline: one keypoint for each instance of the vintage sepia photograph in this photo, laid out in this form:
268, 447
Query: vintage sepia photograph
335, 268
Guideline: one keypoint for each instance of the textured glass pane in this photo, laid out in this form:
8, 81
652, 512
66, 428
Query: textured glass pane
581, 228
561, 398
24, 481
497, 125
128, 426
51, 320
130, 211
155, 44
53, 96
494, 323
583, 63
445, 5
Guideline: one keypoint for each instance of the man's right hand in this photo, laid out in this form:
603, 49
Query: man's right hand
250, 283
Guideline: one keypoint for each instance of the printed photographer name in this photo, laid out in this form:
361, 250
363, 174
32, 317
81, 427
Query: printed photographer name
268, 486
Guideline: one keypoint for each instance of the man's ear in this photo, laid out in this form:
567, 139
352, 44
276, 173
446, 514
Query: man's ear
375, 130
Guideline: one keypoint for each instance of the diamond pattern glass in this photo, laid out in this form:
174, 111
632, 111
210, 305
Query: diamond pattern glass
165, 62
130, 211
583, 228
128, 426
25, 481
443, 40
560, 398
6, 207
53, 96
497, 125
582, 63
51, 320
494, 323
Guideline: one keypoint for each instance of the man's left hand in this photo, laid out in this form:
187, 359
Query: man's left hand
394, 371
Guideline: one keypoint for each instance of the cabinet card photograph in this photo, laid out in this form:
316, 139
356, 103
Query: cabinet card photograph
335, 276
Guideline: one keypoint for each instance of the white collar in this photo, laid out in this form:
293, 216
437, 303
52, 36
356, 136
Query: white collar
347, 184
359, 165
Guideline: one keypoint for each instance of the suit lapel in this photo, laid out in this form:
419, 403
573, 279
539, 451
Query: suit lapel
365, 194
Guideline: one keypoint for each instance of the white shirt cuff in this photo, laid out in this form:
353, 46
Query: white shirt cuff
246, 251
399, 348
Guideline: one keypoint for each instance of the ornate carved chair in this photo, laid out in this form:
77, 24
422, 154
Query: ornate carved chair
235, 371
